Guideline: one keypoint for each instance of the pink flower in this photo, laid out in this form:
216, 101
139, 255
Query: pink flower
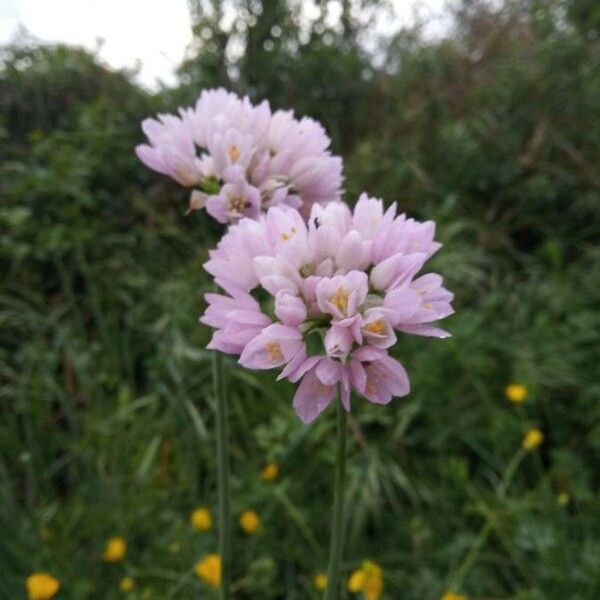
234, 201
342, 287
232, 262
341, 295
274, 346
171, 150
226, 140
237, 319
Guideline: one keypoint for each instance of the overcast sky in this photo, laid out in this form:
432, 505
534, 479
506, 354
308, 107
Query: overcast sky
151, 33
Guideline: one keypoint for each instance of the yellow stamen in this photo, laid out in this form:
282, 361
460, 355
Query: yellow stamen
340, 299
234, 153
273, 350
286, 236
377, 327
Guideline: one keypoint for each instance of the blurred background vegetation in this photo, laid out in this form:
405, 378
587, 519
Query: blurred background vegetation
106, 414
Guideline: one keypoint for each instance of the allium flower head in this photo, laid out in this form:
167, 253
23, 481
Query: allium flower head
337, 290
240, 159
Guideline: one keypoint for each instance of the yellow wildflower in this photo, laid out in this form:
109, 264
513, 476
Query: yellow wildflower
269, 472
320, 581
356, 581
563, 499
41, 586
449, 595
533, 438
515, 393
201, 519
368, 580
249, 521
115, 549
126, 584
209, 570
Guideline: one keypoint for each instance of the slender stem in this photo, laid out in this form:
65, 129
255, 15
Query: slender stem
337, 530
489, 522
222, 475
472, 555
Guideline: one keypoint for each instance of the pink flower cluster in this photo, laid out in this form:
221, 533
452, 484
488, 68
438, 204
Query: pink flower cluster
242, 159
325, 299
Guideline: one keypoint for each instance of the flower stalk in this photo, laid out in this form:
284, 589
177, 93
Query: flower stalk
222, 475
337, 530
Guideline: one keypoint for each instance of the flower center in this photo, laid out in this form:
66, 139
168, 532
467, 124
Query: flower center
234, 153
307, 270
273, 350
237, 204
377, 327
340, 299
286, 236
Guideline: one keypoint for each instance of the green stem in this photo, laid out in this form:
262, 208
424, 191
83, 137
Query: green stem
489, 522
337, 531
222, 475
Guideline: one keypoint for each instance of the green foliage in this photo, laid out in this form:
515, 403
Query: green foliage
106, 407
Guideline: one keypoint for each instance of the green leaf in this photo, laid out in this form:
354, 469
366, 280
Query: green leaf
314, 342
210, 185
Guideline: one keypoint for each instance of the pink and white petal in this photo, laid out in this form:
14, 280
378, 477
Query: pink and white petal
338, 340
396, 376
359, 282
301, 365
425, 330
368, 354
403, 302
367, 217
351, 252
289, 308
312, 397
263, 266
276, 283
386, 378
396, 269
358, 375
328, 372
273, 347
377, 329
